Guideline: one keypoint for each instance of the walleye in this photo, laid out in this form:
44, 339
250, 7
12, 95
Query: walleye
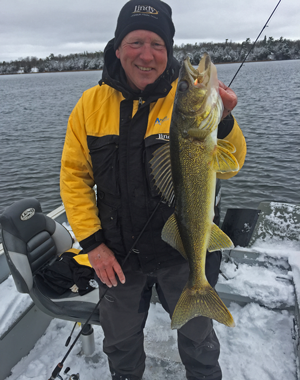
184, 172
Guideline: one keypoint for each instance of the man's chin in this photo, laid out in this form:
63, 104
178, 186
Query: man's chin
143, 84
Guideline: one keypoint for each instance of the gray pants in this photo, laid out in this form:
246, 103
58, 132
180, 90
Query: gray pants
123, 313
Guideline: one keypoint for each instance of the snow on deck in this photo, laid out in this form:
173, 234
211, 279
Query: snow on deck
259, 347
13, 304
279, 237
266, 285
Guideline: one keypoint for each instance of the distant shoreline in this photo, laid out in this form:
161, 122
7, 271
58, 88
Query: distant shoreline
52, 72
76, 71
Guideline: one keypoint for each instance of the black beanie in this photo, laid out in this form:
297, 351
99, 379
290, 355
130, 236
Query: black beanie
153, 15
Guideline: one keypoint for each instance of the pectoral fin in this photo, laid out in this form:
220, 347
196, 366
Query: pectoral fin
218, 240
224, 160
170, 234
207, 126
226, 145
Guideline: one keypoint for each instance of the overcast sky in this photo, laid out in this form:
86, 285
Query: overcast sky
41, 27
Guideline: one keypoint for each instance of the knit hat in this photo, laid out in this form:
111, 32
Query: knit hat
153, 15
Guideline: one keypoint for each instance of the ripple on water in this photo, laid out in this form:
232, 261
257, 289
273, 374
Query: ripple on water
35, 110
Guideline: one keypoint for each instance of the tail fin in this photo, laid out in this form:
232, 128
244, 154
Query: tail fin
203, 302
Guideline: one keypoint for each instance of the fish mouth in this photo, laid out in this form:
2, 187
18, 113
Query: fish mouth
194, 88
197, 96
199, 77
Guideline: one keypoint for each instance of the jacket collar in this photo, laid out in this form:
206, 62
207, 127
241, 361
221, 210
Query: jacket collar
114, 76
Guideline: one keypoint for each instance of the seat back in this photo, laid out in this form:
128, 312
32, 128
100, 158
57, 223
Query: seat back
30, 240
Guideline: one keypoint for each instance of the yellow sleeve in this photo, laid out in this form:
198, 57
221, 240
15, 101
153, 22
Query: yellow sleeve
237, 138
76, 178
83, 259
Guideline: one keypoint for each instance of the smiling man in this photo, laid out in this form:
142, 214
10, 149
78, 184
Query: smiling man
144, 58
111, 136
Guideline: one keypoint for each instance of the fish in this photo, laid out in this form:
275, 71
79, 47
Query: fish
184, 172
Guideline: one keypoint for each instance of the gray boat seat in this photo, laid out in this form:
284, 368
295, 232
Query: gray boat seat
31, 241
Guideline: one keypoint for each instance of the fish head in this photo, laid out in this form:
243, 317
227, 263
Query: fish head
197, 100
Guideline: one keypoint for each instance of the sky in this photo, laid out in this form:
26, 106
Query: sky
38, 28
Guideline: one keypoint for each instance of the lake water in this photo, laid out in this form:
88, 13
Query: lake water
34, 111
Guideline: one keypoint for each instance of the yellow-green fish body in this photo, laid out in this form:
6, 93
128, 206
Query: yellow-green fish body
196, 156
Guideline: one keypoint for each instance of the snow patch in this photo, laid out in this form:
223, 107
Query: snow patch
259, 347
12, 305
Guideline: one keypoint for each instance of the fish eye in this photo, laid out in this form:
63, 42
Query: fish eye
183, 86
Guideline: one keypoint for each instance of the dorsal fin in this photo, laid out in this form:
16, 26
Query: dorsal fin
162, 174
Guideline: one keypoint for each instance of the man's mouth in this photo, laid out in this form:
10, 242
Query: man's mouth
144, 68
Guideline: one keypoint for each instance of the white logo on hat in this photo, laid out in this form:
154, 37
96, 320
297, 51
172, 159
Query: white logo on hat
145, 9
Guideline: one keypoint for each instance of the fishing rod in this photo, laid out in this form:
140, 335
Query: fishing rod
264, 27
58, 368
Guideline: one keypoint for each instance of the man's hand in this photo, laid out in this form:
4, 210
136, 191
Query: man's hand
228, 97
106, 265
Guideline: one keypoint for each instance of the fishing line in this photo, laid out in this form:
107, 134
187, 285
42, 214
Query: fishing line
254, 43
59, 366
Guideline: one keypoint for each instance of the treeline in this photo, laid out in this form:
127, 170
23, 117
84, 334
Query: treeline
264, 50
228, 51
82, 61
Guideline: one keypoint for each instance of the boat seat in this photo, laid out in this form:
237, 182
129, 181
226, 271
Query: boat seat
31, 241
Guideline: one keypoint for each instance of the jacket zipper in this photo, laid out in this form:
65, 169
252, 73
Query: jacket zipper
140, 102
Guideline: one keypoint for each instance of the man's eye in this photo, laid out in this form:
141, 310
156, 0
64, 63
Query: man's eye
159, 46
135, 43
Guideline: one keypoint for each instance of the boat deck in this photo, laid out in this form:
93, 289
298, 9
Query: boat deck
259, 283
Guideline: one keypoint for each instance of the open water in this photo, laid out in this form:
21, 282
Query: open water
34, 111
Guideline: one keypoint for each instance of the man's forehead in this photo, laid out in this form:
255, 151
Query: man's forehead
142, 34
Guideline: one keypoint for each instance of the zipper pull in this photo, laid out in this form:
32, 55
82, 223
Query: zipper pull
140, 102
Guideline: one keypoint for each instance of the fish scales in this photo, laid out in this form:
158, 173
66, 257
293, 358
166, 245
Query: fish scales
193, 159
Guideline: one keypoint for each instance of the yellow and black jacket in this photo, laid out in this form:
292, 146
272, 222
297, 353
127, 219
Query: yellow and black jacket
111, 135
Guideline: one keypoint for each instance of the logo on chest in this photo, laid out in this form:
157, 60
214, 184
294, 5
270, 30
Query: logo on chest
161, 121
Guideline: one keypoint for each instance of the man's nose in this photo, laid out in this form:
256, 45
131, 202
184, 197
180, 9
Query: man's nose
146, 53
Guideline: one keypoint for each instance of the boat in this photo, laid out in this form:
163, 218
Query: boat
257, 278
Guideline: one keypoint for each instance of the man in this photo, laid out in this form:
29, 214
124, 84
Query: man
112, 133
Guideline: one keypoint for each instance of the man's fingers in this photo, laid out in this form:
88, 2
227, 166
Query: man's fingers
108, 274
106, 280
111, 277
119, 272
100, 277
106, 265
228, 96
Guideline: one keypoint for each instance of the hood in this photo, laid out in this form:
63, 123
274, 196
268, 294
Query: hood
114, 76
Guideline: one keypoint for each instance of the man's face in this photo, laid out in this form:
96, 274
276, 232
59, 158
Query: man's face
143, 56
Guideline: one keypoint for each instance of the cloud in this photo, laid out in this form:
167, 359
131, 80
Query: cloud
39, 28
